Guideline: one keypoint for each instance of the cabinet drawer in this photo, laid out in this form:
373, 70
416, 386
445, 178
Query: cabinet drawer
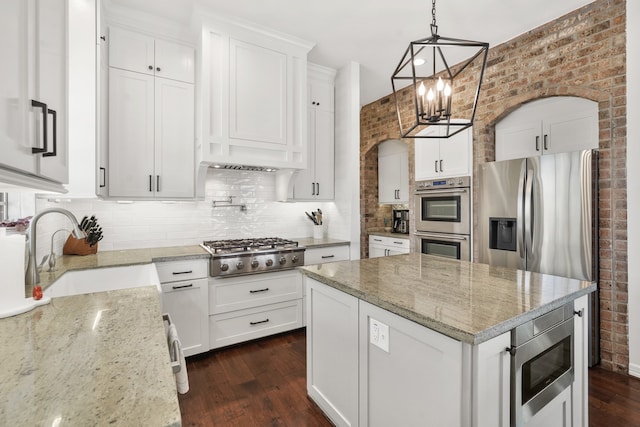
238, 293
243, 325
395, 242
173, 271
326, 254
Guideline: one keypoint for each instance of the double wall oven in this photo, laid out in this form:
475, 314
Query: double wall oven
443, 217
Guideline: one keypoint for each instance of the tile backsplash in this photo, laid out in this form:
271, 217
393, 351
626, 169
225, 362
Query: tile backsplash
142, 224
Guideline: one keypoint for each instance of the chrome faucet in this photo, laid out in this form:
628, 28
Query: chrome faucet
33, 277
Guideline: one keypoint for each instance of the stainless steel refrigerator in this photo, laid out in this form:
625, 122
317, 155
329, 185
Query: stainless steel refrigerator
541, 214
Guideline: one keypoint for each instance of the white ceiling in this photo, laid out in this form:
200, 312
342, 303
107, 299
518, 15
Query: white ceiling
374, 33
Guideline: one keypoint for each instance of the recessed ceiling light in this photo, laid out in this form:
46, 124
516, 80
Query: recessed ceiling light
418, 61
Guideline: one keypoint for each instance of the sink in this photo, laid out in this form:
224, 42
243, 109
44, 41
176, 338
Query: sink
104, 279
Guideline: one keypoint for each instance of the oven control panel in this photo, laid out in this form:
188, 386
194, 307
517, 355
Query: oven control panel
434, 184
252, 263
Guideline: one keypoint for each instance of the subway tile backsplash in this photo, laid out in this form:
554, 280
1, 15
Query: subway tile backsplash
142, 224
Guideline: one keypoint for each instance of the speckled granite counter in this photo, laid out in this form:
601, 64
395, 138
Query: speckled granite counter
94, 359
310, 242
119, 258
466, 301
388, 234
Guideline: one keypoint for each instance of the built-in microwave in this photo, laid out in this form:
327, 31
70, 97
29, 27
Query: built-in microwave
443, 206
455, 246
542, 353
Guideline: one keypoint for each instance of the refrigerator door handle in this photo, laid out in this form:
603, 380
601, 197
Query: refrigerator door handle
528, 212
520, 213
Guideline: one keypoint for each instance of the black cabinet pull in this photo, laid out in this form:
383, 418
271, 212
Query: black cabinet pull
258, 322
158, 183
578, 313
55, 134
190, 285
313, 188
256, 291
511, 350
327, 256
440, 165
103, 177
537, 143
435, 165
42, 105
546, 142
150, 183
317, 188
175, 273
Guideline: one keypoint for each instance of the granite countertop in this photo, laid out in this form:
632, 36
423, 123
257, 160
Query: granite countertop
469, 302
119, 258
388, 234
310, 242
93, 359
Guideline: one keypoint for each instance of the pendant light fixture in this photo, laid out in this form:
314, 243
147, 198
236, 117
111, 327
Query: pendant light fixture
441, 83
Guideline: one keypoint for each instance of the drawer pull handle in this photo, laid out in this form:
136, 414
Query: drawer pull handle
328, 256
258, 290
398, 243
377, 240
258, 322
182, 272
183, 286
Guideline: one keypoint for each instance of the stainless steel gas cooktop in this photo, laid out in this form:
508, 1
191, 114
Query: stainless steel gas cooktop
250, 256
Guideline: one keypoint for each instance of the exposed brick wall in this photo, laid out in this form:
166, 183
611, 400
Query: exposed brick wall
580, 54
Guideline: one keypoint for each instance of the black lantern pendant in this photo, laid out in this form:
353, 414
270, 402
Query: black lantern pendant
425, 66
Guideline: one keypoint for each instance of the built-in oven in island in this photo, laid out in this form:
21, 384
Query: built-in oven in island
443, 217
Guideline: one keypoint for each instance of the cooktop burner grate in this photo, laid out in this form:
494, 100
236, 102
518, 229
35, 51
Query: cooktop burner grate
248, 245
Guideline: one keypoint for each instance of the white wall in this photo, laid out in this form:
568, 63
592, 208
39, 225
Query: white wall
154, 224
633, 182
347, 153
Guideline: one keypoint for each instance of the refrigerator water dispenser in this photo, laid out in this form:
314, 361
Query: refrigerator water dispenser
502, 234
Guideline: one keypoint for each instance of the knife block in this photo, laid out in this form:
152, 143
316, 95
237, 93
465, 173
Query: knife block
75, 246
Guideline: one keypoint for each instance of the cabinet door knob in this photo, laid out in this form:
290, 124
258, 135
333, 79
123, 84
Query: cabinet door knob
157, 68
151, 67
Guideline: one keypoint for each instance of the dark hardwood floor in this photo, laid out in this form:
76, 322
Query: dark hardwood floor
263, 383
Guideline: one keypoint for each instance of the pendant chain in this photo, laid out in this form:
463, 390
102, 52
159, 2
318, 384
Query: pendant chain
434, 27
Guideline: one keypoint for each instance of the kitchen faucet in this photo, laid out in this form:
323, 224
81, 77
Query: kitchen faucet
32, 276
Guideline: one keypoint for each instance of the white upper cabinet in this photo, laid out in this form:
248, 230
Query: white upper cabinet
548, 126
33, 93
443, 157
151, 124
317, 181
393, 172
143, 54
253, 96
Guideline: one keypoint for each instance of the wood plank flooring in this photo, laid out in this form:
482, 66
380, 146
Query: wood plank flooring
263, 383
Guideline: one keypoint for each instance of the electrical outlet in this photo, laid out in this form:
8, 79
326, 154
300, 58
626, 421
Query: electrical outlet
379, 334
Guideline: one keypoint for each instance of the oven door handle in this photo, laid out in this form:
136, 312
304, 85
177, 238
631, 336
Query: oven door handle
443, 236
443, 190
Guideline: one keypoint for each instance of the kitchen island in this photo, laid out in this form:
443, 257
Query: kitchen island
404, 339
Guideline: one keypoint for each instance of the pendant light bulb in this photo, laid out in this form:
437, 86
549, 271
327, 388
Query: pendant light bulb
430, 95
447, 90
421, 89
440, 84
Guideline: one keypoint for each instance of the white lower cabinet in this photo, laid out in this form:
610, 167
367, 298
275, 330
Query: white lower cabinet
184, 296
248, 307
332, 352
326, 254
380, 246
417, 380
